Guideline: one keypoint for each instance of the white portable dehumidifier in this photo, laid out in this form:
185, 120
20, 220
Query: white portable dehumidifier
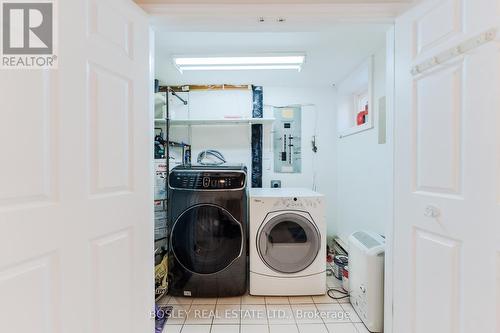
366, 278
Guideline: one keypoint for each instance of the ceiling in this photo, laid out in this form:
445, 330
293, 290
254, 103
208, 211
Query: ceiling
245, 15
330, 54
266, 1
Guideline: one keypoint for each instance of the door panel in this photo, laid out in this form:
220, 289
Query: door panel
438, 24
438, 105
447, 165
76, 213
437, 261
111, 275
112, 26
29, 174
37, 279
110, 156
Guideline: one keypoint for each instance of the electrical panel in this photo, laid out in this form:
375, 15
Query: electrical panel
287, 140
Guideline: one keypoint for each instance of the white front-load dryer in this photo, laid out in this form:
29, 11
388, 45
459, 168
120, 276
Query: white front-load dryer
287, 242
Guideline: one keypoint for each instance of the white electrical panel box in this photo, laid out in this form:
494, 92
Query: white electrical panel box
366, 278
287, 140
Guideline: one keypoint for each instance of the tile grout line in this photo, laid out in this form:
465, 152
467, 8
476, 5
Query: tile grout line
267, 318
187, 314
213, 318
322, 320
241, 306
295, 319
267, 314
239, 315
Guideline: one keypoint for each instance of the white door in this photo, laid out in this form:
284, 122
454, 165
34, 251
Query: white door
447, 165
76, 233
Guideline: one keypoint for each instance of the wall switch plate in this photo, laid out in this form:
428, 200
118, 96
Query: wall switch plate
275, 183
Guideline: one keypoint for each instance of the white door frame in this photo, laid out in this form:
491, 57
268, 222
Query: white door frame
346, 13
389, 230
187, 14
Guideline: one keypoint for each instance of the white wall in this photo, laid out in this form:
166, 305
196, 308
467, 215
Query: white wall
318, 118
365, 171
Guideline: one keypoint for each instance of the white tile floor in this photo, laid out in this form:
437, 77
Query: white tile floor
251, 314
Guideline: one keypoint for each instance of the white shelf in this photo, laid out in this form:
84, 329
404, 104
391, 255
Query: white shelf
239, 121
354, 130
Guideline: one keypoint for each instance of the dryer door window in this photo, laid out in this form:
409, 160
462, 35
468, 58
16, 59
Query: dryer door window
206, 239
289, 243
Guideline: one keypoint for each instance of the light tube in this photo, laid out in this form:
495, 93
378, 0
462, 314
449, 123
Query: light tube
237, 67
222, 63
268, 60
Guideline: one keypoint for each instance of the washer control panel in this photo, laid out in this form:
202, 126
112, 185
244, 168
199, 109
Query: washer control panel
208, 181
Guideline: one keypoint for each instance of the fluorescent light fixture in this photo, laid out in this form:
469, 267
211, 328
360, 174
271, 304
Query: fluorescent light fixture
238, 67
240, 60
218, 63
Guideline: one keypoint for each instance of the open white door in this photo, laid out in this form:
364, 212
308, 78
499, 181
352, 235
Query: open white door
447, 194
76, 233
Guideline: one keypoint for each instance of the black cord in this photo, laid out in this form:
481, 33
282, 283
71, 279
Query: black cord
331, 290
331, 295
210, 152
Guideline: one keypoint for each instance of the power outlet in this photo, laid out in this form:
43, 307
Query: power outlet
275, 183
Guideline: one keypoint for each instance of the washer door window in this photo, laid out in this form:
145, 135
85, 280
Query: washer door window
206, 239
289, 243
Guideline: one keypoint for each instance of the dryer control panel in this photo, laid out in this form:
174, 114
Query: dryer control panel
207, 181
296, 203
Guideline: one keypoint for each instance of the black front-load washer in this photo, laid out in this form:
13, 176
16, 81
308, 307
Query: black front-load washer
208, 231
